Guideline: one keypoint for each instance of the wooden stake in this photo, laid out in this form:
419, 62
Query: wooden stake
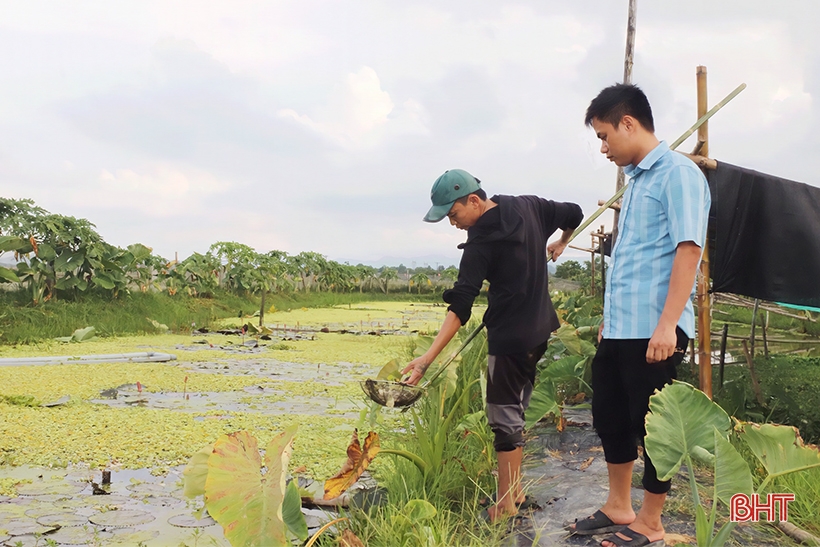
752, 333
755, 383
704, 298
723, 352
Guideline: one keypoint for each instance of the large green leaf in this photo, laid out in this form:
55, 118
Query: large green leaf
732, 474
81, 335
14, 243
46, 252
246, 503
292, 511
680, 419
68, 261
8, 275
104, 281
542, 403
195, 473
419, 510
779, 448
563, 369
390, 371
569, 337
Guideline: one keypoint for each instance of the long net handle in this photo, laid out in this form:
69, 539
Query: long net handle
456, 354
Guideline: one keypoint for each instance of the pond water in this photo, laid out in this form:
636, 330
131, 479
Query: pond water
308, 373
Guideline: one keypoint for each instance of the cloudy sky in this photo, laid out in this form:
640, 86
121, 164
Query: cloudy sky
320, 125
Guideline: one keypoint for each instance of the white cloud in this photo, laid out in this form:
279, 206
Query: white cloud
159, 192
360, 114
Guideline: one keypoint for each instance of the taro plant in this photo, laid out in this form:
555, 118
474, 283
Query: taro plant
684, 425
253, 508
567, 360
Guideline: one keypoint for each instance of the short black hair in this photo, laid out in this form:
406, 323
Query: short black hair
482, 195
617, 101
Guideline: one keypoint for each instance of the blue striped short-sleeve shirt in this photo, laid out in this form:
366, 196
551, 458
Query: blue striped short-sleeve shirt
667, 202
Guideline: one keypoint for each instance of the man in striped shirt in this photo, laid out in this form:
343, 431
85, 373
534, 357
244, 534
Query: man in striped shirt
648, 314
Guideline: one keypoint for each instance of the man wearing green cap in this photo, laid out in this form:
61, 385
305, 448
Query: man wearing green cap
506, 245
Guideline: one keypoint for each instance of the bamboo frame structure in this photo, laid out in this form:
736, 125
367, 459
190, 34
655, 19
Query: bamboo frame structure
703, 292
629, 57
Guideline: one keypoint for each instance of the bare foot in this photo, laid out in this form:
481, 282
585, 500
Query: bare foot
501, 512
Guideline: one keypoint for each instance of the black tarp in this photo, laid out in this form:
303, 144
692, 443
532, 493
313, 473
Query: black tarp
764, 236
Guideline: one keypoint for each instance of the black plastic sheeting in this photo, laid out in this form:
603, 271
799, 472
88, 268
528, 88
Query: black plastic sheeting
764, 236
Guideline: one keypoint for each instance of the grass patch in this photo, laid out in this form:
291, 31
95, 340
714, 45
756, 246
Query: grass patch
804, 511
24, 323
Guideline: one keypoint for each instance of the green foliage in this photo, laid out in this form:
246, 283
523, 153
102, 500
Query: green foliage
791, 393
581, 273
565, 369
21, 323
683, 424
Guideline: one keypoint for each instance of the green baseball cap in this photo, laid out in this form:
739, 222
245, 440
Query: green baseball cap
453, 184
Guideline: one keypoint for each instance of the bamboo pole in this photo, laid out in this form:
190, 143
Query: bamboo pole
704, 299
773, 340
592, 266
629, 56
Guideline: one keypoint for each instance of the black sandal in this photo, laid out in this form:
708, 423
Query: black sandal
636, 539
597, 523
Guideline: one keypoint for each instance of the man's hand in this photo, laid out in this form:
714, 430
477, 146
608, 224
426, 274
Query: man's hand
417, 367
556, 249
600, 332
662, 344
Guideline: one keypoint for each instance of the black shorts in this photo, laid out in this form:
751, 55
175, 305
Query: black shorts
510, 380
622, 382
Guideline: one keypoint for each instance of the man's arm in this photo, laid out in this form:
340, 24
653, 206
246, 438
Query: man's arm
418, 366
684, 268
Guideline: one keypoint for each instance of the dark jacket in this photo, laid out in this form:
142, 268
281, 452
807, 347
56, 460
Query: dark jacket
507, 247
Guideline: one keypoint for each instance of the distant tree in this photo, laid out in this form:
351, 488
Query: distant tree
420, 280
450, 273
571, 270
385, 276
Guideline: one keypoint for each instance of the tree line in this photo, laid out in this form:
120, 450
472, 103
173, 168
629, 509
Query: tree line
60, 256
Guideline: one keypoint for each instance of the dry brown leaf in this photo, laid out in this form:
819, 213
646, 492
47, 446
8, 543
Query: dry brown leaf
300, 469
357, 461
561, 425
586, 463
679, 539
577, 398
349, 539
